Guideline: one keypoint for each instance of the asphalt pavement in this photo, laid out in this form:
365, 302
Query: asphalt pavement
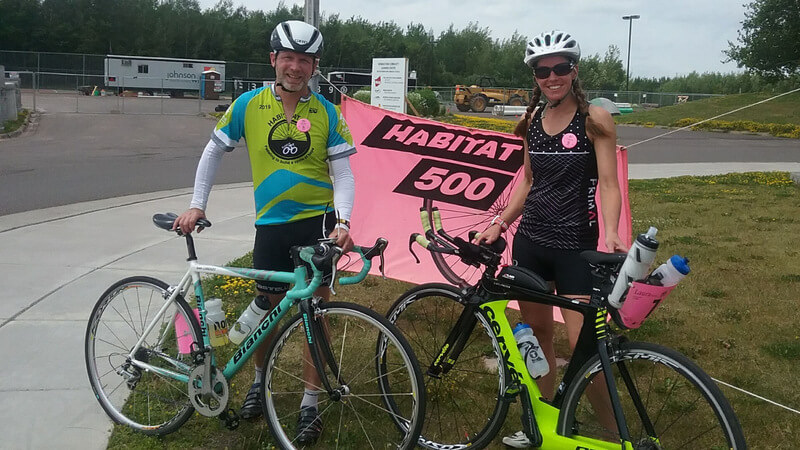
55, 262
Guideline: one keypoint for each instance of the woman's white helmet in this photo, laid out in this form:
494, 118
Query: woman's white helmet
297, 36
552, 43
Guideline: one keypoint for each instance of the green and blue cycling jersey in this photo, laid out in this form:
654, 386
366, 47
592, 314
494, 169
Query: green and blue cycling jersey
290, 159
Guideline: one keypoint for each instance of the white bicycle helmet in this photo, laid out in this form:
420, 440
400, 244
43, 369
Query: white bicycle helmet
552, 43
297, 36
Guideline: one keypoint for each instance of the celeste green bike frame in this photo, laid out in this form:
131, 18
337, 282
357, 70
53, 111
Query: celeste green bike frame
300, 290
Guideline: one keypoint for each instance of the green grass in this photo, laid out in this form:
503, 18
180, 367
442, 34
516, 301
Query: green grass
13, 125
783, 110
736, 314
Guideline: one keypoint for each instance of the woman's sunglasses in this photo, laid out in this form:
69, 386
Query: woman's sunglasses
543, 72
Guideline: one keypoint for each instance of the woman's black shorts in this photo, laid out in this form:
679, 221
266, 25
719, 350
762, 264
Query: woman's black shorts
570, 272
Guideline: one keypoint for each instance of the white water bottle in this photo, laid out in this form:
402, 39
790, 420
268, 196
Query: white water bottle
216, 323
671, 272
636, 265
249, 319
531, 350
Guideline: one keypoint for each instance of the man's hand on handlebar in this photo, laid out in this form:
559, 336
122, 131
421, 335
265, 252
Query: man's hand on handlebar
342, 238
186, 222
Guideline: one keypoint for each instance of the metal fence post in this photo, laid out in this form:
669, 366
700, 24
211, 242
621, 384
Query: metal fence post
35, 88
161, 95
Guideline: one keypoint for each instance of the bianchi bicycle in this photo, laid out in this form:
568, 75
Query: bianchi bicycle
656, 397
151, 374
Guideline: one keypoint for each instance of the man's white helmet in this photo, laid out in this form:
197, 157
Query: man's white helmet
296, 36
552, 43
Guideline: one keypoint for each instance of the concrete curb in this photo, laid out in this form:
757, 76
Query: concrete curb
32, 119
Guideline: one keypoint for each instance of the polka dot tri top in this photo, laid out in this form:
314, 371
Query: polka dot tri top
560, 210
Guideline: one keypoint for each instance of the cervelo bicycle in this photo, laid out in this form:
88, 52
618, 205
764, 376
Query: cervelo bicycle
146, 379
659, 399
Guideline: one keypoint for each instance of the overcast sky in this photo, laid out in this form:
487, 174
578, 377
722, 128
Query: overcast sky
672, 37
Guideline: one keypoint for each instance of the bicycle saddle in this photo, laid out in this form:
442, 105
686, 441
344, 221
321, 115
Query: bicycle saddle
166, 221
601, 258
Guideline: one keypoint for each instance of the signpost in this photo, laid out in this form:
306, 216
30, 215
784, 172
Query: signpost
390, 83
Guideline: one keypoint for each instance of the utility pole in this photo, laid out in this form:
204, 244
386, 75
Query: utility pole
630, 28
311, 16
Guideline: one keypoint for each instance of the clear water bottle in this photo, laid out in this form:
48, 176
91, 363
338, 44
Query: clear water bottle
249, 319
671, 272
531, 350
636, 265
215, 320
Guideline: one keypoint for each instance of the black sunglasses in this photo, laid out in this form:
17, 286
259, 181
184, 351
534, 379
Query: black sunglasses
543, 72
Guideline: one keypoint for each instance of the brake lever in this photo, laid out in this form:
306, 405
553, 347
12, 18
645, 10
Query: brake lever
383, 274
334, 263
411, 240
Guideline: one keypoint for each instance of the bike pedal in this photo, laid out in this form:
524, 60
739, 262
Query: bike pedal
198, 355
230, 418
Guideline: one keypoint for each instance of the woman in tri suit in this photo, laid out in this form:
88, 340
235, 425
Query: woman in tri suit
571, 148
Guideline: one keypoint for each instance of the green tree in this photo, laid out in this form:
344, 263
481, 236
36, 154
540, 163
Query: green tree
768, 42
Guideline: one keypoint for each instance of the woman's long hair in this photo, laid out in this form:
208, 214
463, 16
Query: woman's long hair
583, 106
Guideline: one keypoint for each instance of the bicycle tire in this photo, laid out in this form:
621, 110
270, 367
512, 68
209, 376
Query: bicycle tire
684, 404
360, 417
465, 406
153, 405
450, 266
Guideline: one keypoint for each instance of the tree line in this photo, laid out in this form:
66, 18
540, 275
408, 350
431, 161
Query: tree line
181, 29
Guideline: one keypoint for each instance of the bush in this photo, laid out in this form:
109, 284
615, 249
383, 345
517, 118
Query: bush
363, 95
429, 103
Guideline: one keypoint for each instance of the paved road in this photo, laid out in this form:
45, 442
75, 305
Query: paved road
81, 157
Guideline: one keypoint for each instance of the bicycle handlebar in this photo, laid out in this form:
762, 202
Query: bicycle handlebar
438, 241
326, 254
367, 253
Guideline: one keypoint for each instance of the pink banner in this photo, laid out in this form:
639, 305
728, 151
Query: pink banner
405, 163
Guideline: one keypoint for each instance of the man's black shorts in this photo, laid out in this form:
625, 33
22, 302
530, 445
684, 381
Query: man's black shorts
271, 250
570, 272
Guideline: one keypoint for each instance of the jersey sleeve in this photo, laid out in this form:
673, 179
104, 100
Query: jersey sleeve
340, 141
230, 128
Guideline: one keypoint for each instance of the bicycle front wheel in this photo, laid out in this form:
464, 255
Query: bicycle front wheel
465, 406
668, 402
355, 414
130, 395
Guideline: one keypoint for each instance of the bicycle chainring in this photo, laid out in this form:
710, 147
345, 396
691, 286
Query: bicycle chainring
217, 401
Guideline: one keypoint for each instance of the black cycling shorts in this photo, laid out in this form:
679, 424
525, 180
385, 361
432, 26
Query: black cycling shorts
571, 273
272, 248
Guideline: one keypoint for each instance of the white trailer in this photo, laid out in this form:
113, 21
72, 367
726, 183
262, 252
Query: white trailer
154, 74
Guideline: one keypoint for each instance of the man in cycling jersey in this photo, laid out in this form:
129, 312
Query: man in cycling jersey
299, 147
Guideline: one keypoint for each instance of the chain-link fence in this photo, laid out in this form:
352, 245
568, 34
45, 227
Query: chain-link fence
81, 78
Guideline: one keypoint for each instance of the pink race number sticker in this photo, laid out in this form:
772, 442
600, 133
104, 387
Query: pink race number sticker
303, 125
569, 140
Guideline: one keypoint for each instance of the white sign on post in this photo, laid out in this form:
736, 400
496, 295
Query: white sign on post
390, 83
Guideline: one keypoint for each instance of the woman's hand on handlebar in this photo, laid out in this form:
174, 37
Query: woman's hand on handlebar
187, 221
342, 238
490, 234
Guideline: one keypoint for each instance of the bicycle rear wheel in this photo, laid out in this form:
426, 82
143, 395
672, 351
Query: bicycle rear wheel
668, 401
465, 406
356, 414
141, 399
